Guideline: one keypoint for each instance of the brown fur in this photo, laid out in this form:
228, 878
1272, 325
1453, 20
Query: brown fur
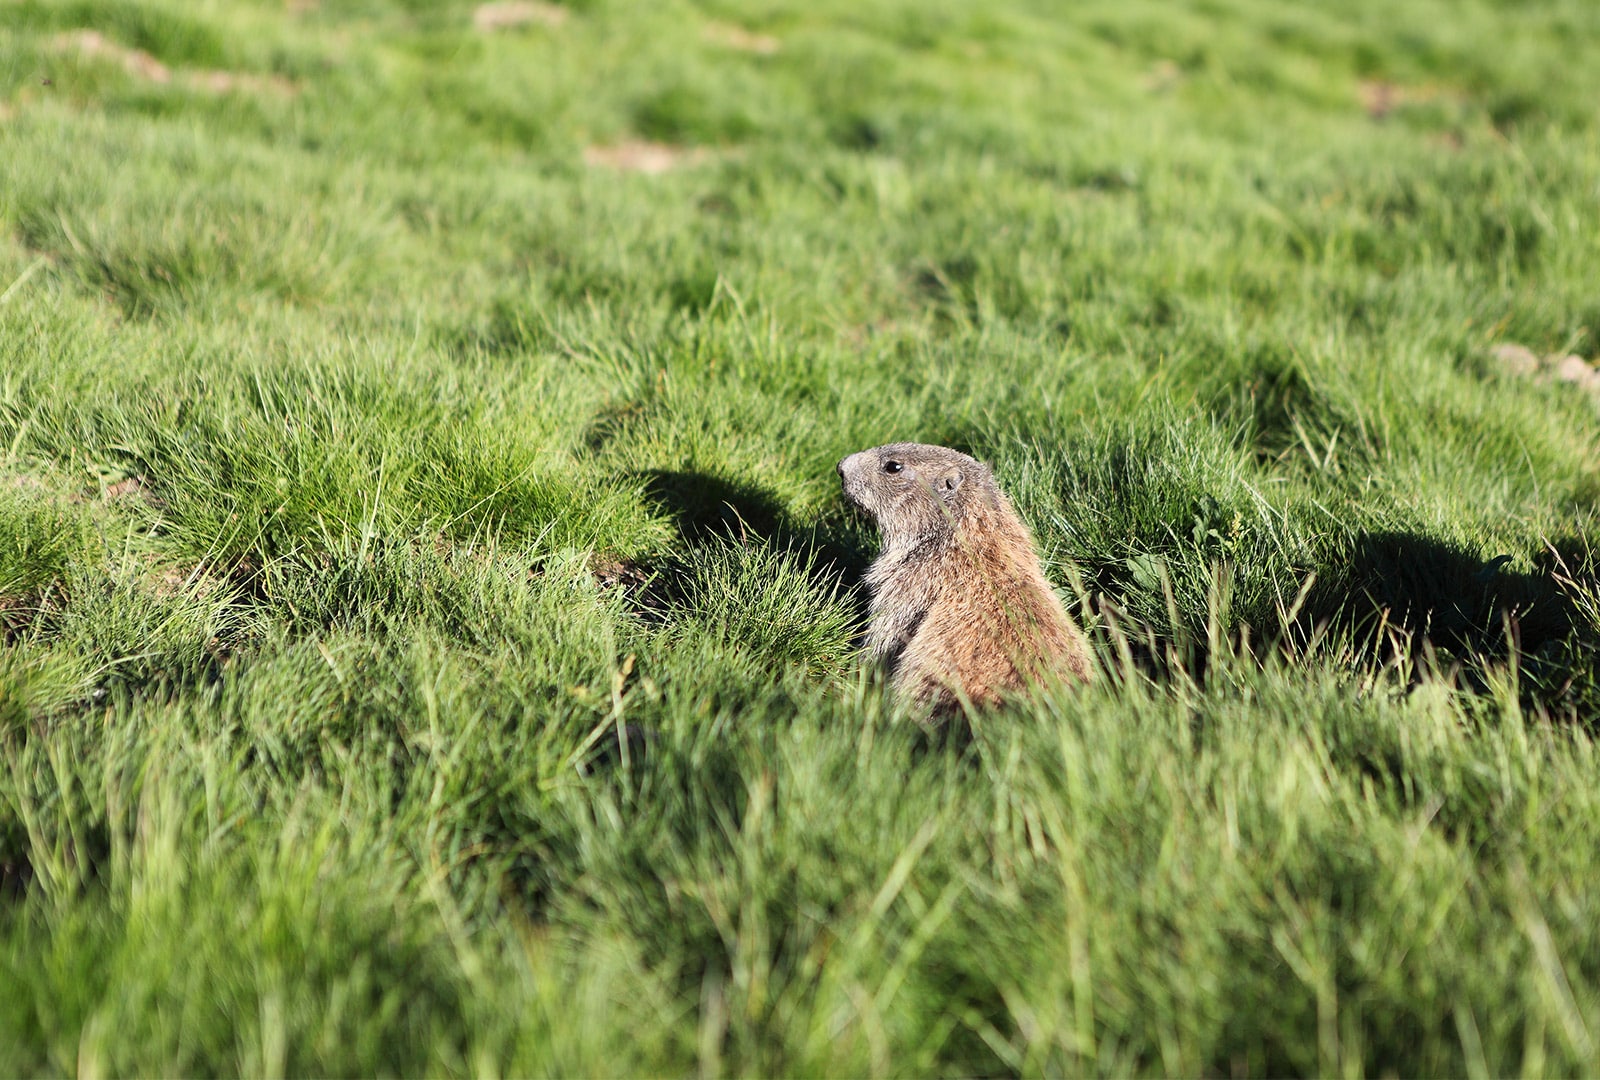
960, 606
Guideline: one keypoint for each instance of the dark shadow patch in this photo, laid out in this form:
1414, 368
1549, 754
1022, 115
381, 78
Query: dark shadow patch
1395, 590
703, 507
1149, 552
619, 750
22, 614
614, 420
16, 876
860, 132
694, 291
1510, 110
1396, 598
1279, 398
16, 864
951, 288
1283, 413
1432, 608
82, 857
1442, 609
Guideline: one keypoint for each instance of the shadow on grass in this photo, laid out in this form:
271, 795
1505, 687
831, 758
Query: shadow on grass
1398, 590
1427, 605
16, 871
704, 508
1420, 604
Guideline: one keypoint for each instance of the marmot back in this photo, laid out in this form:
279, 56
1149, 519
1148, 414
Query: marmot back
960, 606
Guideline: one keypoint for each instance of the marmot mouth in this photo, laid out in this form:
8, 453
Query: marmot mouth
854, 495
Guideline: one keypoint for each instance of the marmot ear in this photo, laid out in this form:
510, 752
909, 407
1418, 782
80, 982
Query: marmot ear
950, 483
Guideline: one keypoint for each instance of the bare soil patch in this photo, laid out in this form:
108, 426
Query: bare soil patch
136, 62
230, 82
1522, 362
132, 485
609, 571
23, 482
739, 39
167, 580
1380, 97
1163, 76
643, 156
141, 65
512, 14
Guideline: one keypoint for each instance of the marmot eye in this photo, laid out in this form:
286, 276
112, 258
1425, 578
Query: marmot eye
892, 466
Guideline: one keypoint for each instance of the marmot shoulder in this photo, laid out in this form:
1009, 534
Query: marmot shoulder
960, 605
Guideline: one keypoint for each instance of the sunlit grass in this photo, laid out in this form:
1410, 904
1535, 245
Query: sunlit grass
427, 613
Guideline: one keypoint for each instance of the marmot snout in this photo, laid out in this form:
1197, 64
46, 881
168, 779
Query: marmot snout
960, 606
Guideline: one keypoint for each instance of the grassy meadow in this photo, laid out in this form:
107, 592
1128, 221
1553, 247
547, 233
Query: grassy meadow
428, 614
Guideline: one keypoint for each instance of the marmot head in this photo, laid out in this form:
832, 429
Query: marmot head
913, 490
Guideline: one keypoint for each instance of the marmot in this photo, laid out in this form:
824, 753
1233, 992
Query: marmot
960, 606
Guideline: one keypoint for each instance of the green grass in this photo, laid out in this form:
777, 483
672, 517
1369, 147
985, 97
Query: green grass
428, 614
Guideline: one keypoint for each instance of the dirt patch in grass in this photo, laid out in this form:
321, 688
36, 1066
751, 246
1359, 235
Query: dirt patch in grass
142, 65
609, 570
1575, 370
739, 39
1521, 362
136, 62
231, 82
24, 482
167, 580
132, 485
489, 18
1380, 97
643, 156
1162, 77
124, 491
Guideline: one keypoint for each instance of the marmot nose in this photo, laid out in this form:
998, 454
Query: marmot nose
839, 468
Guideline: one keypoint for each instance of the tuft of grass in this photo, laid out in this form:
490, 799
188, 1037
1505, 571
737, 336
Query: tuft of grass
775, 604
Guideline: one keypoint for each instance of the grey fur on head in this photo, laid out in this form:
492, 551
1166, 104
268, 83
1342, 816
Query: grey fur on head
893, 483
